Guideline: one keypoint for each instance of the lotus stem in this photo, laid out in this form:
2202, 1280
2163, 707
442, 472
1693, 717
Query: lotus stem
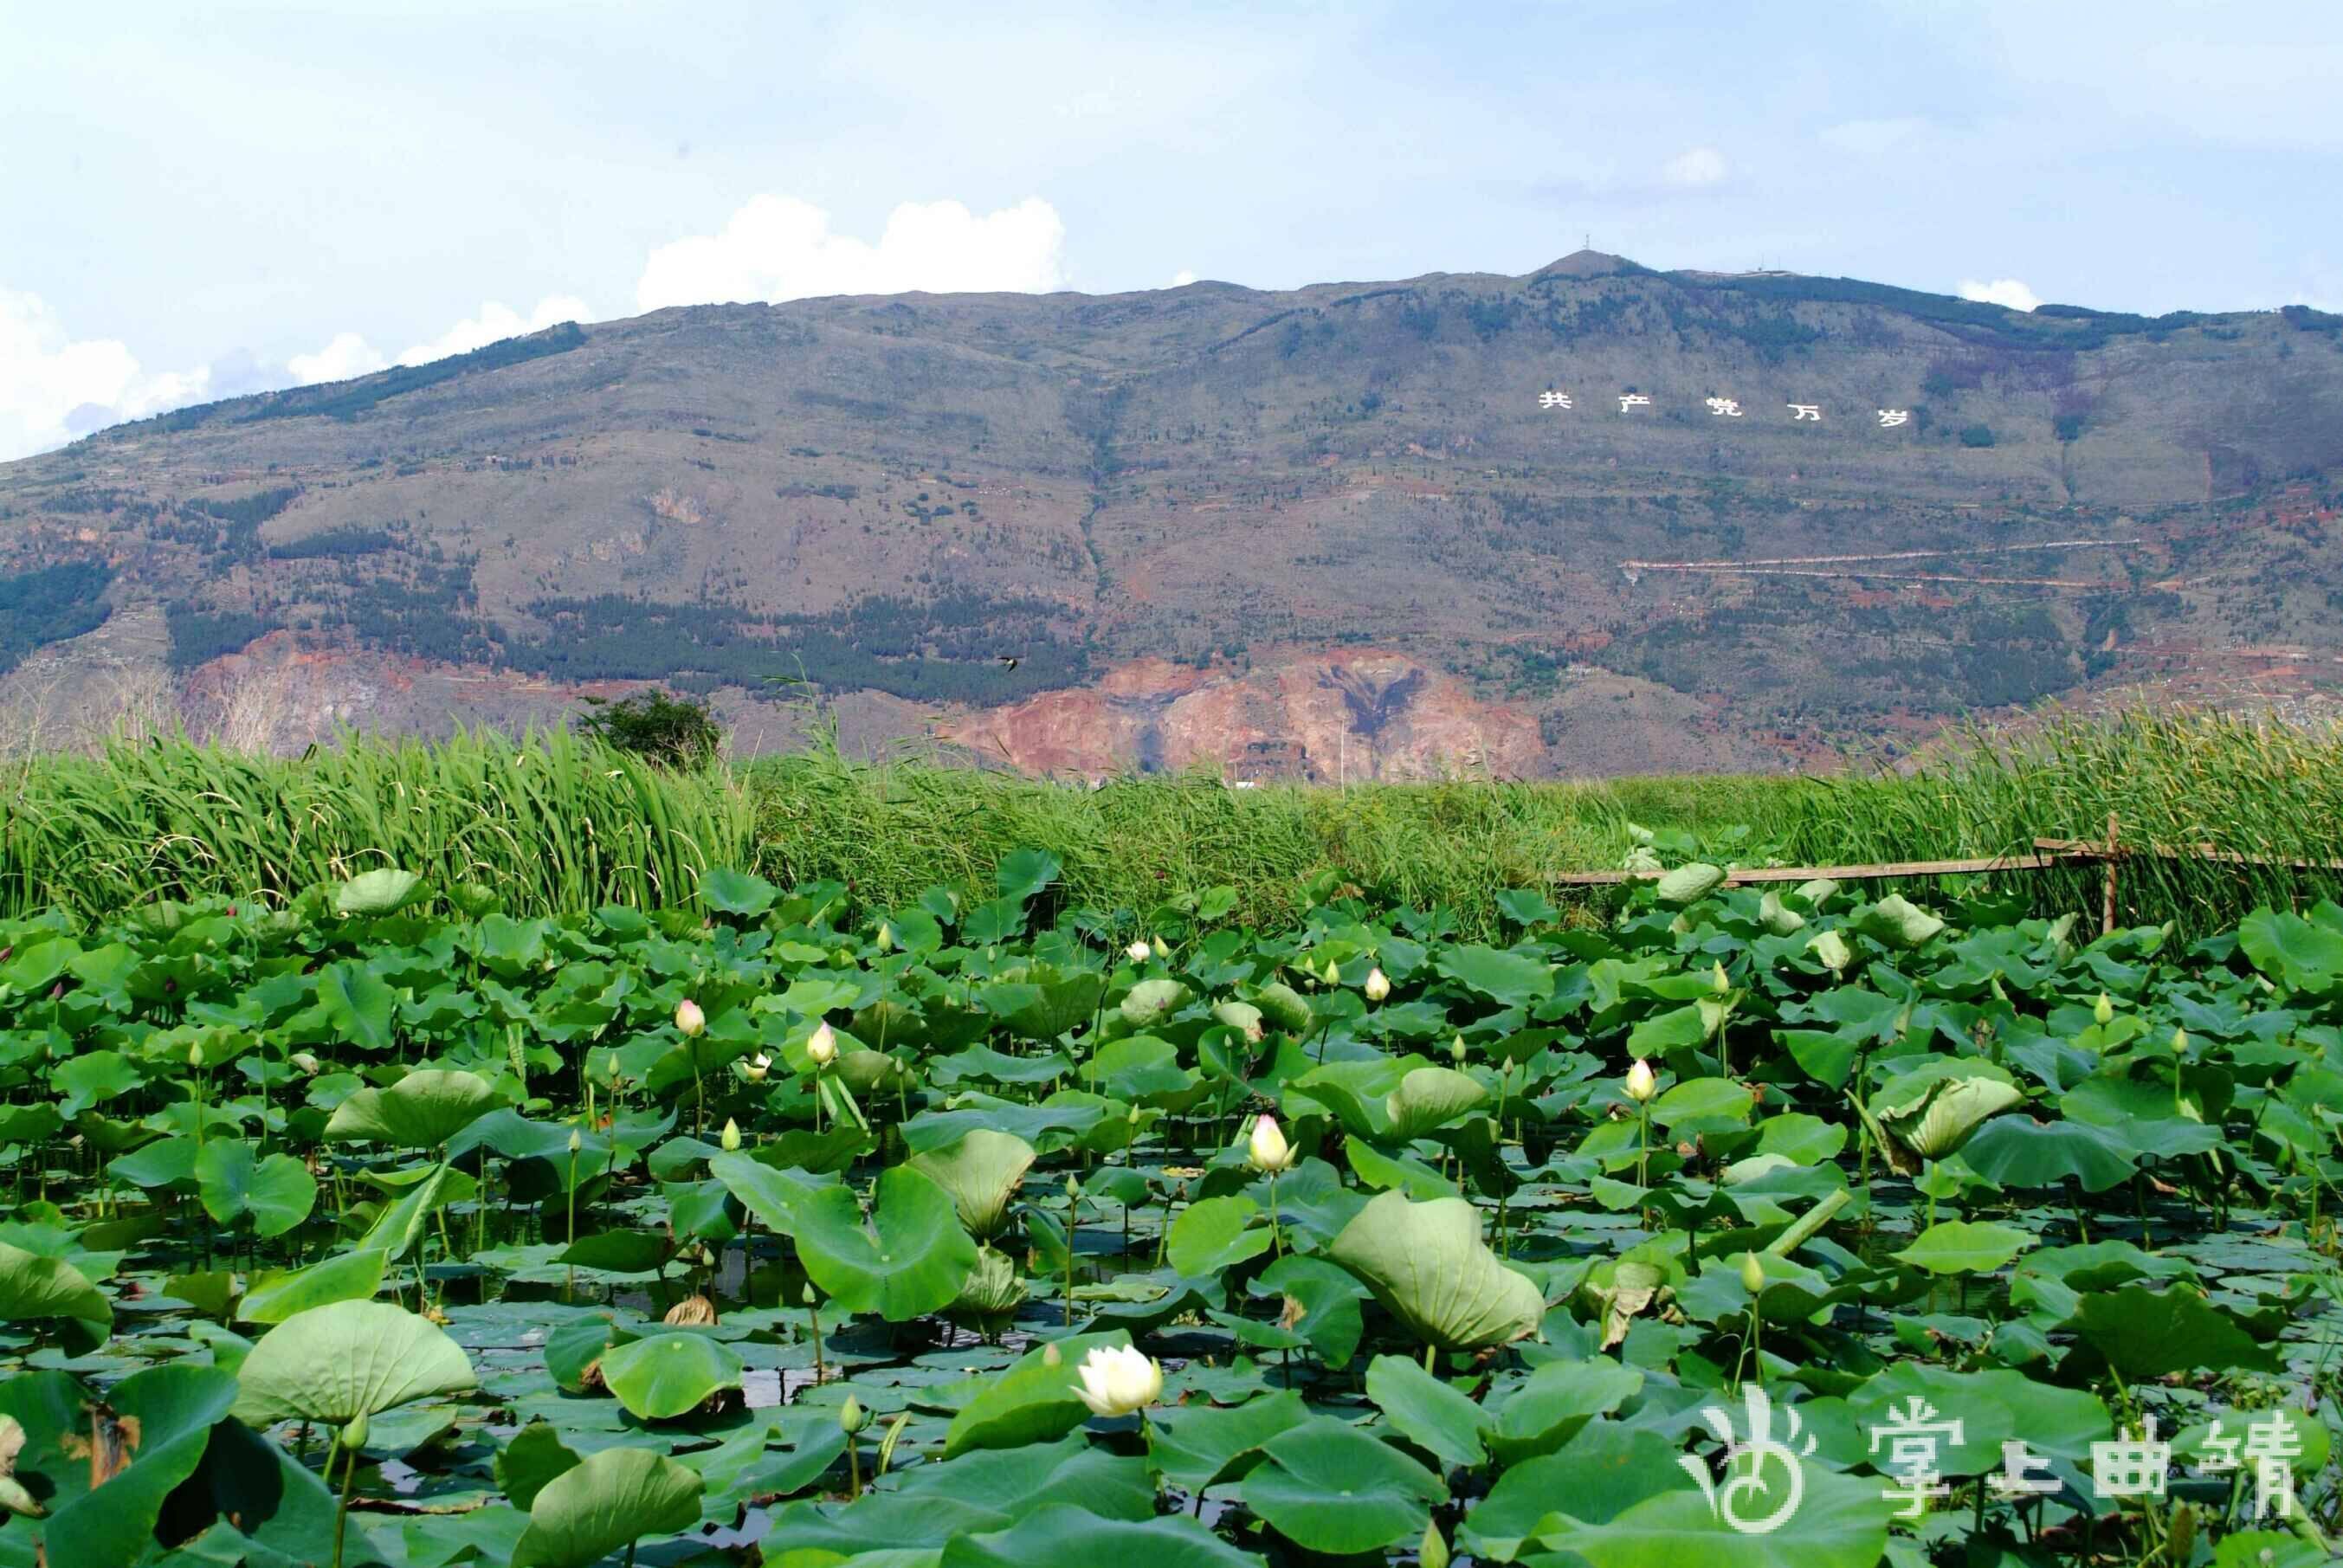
342, 1510
1803, 1229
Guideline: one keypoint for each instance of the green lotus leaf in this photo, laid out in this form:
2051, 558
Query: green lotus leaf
1062, 1534
1993, 1407
1196, 1446
1929, 1114
667, 1375
1703, 1098
1839, 1521
1964, 1247
1508, 979
1329, 1487
1428, 1266
1151, 999
617, 1252
91, 1078
1688, 884
1430, 1097
1284, 1006
1327, 1299
1136, 1067
533, 1460
401, 1223
992, 1294
1777, 916
334, 1363
865, 1071
280, 1294
171, 1411
1559, 1399
773, 1193
1215, 1233
1243, 1017
1895, 922
34, 1287
910, 1258
1040, 1002
731, 892
981, 1172
383, 891
2302, 955
1032, 1402
1604, 1471
277, 1192
422, 1111
608, 1499
1427, 1411
2143, 1333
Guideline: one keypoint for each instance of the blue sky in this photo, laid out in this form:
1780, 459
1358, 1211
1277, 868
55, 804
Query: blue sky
205, 199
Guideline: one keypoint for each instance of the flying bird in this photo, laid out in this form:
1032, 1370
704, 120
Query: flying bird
1006, 659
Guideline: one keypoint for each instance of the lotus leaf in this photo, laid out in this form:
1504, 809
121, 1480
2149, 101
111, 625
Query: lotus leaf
1428, 1266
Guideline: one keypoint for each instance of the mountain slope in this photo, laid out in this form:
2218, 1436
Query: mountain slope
1220, 525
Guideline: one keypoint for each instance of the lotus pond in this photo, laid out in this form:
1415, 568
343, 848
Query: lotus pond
1810, 1228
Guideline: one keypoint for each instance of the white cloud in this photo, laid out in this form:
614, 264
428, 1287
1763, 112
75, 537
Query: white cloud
1181, 278
347, 356
778, 247
2007, 291
350, 355
1694, 167
496, 322
54, 387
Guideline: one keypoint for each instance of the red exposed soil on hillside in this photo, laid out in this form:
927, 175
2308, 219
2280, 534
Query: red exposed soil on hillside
1346, 714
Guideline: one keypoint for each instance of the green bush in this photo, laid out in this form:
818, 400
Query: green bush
656, 725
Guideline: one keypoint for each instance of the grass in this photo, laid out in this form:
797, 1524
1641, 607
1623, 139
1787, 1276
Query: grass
2174, 779
551, 821
558, 823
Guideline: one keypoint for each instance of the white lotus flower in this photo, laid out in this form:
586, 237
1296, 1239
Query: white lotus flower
822, 1045
1118, 1380
689, 1020
1268, 1150
1138, 953
756, 1067
1641, 1081
1378, 984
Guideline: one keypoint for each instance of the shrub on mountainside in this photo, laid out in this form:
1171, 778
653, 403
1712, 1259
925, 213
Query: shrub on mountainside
656, 725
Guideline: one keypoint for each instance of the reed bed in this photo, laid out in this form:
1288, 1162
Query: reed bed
551, 821
2174, 780
555, 821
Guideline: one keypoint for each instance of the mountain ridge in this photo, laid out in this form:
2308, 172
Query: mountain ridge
896, 495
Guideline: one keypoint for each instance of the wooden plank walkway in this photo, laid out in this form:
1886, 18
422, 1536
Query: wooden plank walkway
2019, 860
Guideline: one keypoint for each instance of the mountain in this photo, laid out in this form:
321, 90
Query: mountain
1348, 531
